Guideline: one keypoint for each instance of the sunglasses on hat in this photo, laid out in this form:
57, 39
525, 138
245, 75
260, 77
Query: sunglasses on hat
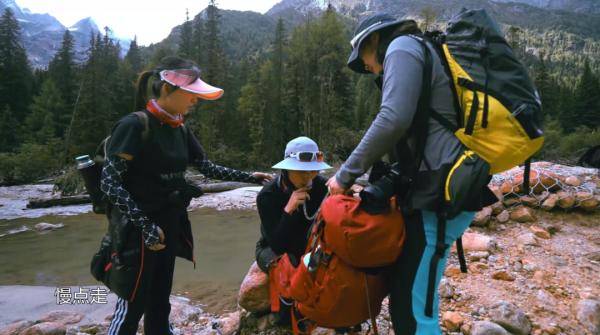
307, 156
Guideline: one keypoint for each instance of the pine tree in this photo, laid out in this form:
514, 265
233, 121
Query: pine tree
134, 57
98, 106
198, 41
251, 107
514, 39
547, 88
186, 49
587, 100
63, 74
332, 75
280, 115
8, 129
15, 73
211, 119
46, 114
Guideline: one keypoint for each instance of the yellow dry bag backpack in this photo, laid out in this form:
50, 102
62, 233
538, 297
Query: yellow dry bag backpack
499, 109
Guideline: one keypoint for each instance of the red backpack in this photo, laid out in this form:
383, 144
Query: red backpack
361, 239
325, 287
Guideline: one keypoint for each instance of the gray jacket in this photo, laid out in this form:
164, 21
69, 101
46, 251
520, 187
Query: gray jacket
402, 79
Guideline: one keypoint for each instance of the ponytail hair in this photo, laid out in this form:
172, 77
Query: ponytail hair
387, 35
141, 87
141, 90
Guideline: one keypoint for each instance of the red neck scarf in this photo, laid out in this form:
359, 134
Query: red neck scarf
164, 116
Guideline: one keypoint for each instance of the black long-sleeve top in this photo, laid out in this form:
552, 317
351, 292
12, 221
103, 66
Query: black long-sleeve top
283, 232
142, 185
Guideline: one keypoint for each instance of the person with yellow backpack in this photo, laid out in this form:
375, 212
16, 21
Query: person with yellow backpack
456, 107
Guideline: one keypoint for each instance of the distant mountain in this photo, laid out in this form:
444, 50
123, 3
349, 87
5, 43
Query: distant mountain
357, 6
578, 6
518, 13
244, 33
567, 37
42, 34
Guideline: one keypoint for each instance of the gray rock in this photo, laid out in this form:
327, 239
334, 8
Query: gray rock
45, 328
545, 299
44, 226
482, 218
559, 261
446, 290
518, 266
64, 317
593, 256
588, 313
16, 327
478, 255
530, 267
511, 318
487, 328
503, 217
527, 239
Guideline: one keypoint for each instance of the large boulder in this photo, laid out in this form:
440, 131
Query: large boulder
566, 200
229, 324
573, 181
550, 202
478, 242
254, 291
482, 218
586, 201
522, 214
46, 328
15, 328
511, 318
64, 317
487, 328
588, 313
503, 217
452, 321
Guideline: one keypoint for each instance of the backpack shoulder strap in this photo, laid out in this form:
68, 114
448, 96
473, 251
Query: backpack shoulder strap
186, 132
144, 118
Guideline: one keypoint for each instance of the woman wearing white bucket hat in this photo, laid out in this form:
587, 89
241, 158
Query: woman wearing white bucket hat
143, 178
287, 206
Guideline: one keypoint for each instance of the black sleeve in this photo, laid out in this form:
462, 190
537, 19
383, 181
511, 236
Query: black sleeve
211, 170
111, 183
277, 226
195, 149
126, 137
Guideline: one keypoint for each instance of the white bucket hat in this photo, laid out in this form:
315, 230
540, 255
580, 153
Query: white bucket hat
302, 154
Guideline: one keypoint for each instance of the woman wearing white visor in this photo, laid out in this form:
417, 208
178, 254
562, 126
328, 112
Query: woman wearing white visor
143, 179
287, 206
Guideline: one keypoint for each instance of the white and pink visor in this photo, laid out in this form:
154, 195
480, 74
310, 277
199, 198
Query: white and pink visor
189, 80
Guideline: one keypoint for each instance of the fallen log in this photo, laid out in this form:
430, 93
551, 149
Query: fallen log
84, 198
59, 201
222, 187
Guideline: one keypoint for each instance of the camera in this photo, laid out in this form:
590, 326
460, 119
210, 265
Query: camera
375, 198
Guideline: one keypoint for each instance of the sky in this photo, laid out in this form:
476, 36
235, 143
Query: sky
150, 20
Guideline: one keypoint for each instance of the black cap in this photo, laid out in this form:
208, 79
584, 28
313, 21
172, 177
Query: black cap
366, 26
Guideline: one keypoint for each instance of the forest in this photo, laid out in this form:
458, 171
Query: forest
298, 85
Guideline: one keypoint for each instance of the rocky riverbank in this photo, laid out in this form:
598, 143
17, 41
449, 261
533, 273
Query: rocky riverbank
533, 269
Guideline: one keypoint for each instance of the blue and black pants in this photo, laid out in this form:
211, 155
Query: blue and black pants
415, 277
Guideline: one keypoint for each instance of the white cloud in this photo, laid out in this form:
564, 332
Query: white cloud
150, 20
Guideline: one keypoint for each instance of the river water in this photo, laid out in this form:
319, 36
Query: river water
224, 249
